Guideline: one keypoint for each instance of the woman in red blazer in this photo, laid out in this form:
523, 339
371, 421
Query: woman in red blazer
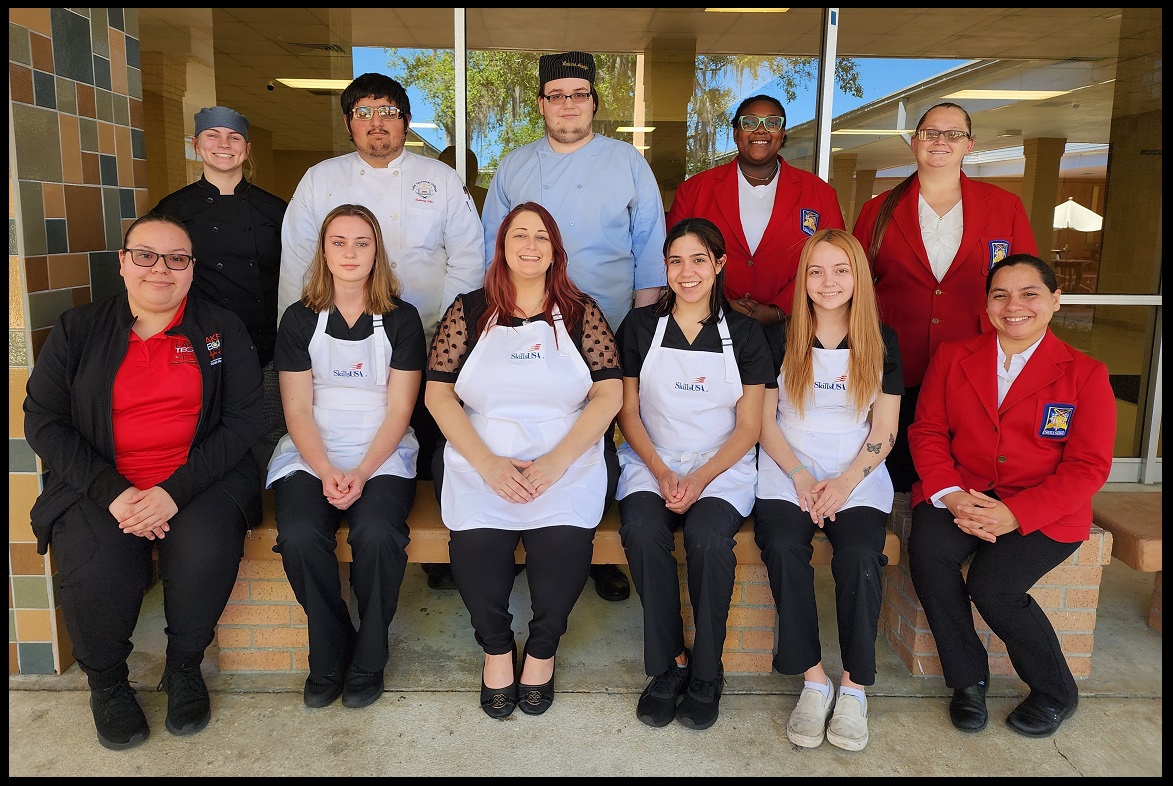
1012, 437
766, 210
931, 240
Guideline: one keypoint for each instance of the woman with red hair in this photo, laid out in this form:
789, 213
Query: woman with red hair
523, 381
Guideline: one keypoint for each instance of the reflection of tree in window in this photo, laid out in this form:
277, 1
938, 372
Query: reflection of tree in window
503, 115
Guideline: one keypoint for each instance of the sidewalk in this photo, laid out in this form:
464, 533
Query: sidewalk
428, 721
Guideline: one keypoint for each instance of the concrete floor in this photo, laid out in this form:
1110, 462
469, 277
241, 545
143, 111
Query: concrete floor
428, 721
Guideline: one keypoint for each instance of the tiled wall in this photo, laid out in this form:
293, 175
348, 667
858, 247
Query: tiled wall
77, 177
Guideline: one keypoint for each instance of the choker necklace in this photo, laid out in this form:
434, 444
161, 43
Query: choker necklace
767, 179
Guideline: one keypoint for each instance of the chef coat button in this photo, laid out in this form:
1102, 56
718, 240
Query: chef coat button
211, 200
937, 292
224, 300
252, 263
219, 265
215, 229
936, 321
258, 300
392, 265
749, 263
248, 229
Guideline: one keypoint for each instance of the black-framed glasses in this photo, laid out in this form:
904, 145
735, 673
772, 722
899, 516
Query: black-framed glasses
580, 97
749, 123
368, 112
930, 134
144, 258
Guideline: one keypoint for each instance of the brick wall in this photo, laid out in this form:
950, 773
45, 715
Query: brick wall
749, 636
1069, 594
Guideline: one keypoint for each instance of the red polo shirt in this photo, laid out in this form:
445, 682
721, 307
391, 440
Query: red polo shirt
157, 398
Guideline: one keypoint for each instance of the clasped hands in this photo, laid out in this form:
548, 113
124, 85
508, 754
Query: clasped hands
822, 499
521, 480
144, 512
979, 515
680, 492
342, 489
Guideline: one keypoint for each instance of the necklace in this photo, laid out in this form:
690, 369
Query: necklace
766, 179
526, 316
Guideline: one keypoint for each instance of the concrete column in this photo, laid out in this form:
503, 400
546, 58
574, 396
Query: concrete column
164, 85
1040, 186
843, 180
669, 72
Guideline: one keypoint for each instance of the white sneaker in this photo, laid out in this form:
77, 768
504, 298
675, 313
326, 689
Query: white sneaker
849, 724
809, 718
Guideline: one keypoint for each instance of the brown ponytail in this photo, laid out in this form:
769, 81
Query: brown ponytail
884, 216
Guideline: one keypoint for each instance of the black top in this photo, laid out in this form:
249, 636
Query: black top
749, 343
892, 382
455, 339
402, 326
236, 240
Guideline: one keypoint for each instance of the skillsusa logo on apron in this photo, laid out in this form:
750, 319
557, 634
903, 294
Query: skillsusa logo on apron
697, 385
533, 353
839, 383
352, 370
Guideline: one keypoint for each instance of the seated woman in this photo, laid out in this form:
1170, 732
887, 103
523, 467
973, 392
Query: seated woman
694, 371
1013, 436
350, 355
143, 408
523, 380
825, 435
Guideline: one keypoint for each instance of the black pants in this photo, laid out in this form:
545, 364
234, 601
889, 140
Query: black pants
104, 573
557, 560
647, 529
783, 532
999, 578
307, 526
899, 461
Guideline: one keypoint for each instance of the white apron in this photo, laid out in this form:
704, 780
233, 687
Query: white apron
827, 439
688, 404
350, 403
522, 394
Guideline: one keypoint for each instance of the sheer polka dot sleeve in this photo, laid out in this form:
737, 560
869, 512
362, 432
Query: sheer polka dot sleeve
598, 343
450, 345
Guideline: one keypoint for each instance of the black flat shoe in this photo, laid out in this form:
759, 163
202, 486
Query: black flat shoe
536, 699
1034, 719
967, 709
499, 702
362, 688
610, 582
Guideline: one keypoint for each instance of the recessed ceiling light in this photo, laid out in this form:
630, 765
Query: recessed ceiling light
1013, 95
316, 84
633, 129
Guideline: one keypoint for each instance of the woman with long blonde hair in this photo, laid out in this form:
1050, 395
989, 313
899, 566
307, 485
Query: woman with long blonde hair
825, 434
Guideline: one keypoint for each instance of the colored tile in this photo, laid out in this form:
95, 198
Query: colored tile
104, 278
88, 130
31, 592
121, 106
126, 203
35, 19
106, 142
108, 165
32, 224
45, 307
138, 144
56, 240
91, 173
36, 658
69, 270
116, 18
133, 60
44, 90
125, 157
104, 105
23, 489
18, 45
111, 216
81, 295
11, 623
137, 118
72, 52
140, 175
37, 340
53, 195
21, 459
40, 52
20, 84
99, 31
16, 291
18, 354
38, 148
17, 379
101, 72
117, 47
36, 273
66, 95
83, 206
85, 101
134, 83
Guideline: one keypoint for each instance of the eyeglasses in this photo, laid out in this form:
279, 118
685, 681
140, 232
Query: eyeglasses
750, 123
368, 112
929, 134
558, 98
144, 258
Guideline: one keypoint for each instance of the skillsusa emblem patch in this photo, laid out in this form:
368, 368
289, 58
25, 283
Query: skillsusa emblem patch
810, 221
999, 250
1056, 420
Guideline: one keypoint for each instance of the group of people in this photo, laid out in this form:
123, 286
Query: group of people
745, 353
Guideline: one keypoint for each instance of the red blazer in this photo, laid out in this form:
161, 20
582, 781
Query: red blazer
923, 311
803, 204
1044, 452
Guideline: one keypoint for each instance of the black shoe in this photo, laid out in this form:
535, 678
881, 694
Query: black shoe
1035, 719
362, 687
610, 582
967, 708
118, 718
657, 704
440, 576
499, 702
322, 691
535, 699
698, 709
188, 706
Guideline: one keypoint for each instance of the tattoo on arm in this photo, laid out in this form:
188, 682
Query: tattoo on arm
873, 448
867, 471
891, 440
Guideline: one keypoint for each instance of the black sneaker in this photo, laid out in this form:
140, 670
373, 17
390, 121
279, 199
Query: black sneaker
362, 687
657, 704
188, 706
321, 691
698, 709
118, 718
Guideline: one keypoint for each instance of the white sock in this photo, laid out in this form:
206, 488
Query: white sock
822, 687
857, 693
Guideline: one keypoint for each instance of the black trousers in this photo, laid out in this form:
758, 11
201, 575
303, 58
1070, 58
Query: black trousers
899, 460
307, 526
557, 560
647, 529
104, 573
1000, 576
783, 532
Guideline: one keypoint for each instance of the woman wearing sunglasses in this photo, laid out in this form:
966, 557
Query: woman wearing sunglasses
931, 240
765, 209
